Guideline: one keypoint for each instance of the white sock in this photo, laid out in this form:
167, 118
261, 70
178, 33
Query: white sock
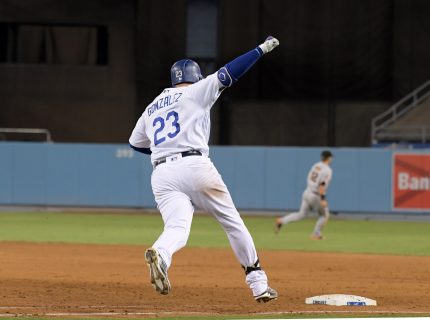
257, 281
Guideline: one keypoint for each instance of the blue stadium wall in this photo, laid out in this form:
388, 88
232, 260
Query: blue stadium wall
259, 178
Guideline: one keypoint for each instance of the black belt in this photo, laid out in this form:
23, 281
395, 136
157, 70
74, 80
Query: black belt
184, 154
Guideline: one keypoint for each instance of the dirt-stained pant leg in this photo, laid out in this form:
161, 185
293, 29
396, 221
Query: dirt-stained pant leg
212, 196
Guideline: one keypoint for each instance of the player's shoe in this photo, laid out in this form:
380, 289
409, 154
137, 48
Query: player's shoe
317, 237
158, 271
278, 225
266, 296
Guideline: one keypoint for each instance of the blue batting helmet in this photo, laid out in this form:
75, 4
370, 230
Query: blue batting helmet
185, 70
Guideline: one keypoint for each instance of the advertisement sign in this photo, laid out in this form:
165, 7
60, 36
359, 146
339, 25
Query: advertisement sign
411, 181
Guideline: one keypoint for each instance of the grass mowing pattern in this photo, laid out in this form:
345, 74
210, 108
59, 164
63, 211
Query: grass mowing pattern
379, 237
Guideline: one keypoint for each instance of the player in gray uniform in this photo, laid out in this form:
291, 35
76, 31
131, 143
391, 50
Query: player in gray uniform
314, 197
175, 129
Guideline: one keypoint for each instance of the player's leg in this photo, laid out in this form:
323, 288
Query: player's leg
324, 215
214, 197
222, 208
295, 216
177, 213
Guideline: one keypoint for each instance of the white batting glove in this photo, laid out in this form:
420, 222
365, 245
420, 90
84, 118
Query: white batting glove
269, 44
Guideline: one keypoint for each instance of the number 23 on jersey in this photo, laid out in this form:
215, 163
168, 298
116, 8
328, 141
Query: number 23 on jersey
173, 127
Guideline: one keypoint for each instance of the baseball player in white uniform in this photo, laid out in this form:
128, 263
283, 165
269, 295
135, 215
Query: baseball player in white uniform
314, 197
174, 129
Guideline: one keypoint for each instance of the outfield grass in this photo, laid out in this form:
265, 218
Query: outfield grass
379, 237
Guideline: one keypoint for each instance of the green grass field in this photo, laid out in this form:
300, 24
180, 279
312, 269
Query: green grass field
377, 237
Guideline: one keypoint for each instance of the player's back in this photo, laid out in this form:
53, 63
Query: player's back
178, 119
319, 173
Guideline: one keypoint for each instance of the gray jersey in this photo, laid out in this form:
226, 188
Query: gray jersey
319, 173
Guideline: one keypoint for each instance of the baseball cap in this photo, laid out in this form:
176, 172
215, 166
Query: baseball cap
326, 154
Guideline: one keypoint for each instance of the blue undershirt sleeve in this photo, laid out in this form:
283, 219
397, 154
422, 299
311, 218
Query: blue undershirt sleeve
141, 150
235, 69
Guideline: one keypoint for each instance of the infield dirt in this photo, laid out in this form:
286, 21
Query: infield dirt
43, 278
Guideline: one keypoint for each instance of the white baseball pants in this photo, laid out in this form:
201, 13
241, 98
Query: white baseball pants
310, 202
183, 183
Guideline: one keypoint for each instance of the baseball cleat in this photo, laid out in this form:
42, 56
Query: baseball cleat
158, 271
317, 237
266, 296
278, 226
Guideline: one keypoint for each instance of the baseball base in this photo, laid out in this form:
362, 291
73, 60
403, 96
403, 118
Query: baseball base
341, 300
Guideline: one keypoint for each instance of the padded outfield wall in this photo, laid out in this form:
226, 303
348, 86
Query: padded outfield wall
259, 178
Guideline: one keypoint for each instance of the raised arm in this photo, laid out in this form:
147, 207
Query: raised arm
235, 69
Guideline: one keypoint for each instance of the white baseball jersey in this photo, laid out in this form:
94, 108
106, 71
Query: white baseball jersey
178, 119
319, 173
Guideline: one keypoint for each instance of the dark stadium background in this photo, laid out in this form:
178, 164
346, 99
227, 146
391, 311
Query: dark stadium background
85, 70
